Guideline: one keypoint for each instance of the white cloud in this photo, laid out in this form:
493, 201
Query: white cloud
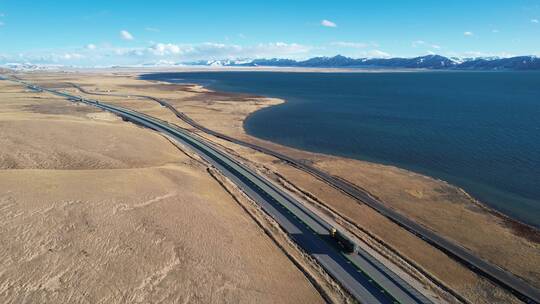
203, 51
69, 56
2, 23
151, 29
534, 20
170, 53
354, 45
424, 44
210, 50
126, 35
495, 31
328, 23
49, 58
377, 54
418, 43
162, 49
279, 49
468, 34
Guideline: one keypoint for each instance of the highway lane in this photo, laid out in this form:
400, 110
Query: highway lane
365, 278
373, 283
287, 218
306, 230
499, 276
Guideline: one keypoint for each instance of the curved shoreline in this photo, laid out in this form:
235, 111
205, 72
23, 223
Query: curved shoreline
523, 226
529, 231
499, 221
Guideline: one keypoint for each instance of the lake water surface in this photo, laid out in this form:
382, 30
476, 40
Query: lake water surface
477, 130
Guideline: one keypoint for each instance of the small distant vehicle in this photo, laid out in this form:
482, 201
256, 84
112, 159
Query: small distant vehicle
343, 241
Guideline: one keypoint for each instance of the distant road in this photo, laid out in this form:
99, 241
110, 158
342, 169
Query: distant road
521, 289
367, 280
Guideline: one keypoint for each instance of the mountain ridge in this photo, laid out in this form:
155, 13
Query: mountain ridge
432, 62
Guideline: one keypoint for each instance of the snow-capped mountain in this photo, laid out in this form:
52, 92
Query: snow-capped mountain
434, 62
29, 66
226, 62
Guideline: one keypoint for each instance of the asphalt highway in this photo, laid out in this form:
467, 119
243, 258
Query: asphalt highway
366, 279
520, 288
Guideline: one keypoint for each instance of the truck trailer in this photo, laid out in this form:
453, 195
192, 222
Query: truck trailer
346, 244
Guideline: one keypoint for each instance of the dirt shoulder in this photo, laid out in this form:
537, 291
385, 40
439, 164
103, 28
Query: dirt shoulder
96, 210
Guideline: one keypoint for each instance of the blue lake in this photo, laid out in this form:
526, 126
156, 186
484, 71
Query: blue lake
477, 130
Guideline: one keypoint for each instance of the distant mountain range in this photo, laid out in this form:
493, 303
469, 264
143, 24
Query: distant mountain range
434, 62
430, 62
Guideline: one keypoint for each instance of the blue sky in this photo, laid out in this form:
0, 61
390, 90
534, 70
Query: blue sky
100, 32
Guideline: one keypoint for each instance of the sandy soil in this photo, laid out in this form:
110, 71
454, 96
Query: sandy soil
437, 205
95, 210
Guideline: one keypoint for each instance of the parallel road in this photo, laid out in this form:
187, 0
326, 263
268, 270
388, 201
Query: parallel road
521, 289
367, 280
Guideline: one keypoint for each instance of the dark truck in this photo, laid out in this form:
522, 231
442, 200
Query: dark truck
343, 241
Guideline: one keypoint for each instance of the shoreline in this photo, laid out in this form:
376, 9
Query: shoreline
473, 199
529, 230
186, 69
436, 205
483, 236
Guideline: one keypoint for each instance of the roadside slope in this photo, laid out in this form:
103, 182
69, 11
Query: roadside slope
98, 210
431, 202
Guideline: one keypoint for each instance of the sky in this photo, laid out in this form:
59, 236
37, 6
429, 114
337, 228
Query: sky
102, 33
